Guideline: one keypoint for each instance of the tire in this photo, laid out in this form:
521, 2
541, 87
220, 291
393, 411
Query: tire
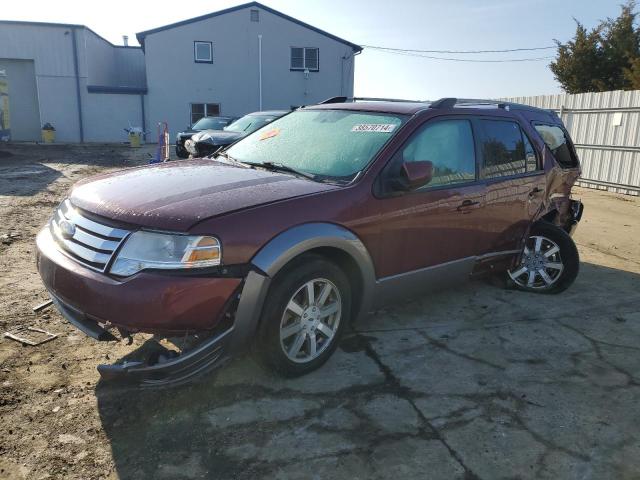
550, 262
287, 311
181, 152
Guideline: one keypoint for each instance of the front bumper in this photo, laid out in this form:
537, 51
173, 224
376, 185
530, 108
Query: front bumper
148, 302
155, 303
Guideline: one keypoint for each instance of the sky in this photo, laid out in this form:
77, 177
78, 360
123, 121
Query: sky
403, 24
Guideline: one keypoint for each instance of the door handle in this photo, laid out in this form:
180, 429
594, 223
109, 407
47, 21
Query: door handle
467, 205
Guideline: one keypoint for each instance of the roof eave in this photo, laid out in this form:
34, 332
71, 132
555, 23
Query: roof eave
141, 35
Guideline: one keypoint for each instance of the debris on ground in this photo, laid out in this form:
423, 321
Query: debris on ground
42, 306
30, 335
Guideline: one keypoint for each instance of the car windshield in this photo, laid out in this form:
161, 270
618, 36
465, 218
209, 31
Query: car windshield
250, 123
333, 144
209, 123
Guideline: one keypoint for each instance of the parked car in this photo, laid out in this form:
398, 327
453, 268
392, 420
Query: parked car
309, 223
205, 123
208, 142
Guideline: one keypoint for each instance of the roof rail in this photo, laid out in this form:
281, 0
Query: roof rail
334, 100
452, 102
365, 99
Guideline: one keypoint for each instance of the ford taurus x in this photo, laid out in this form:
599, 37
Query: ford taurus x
309, 223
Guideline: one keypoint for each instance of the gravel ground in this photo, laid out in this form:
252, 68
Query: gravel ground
476, 383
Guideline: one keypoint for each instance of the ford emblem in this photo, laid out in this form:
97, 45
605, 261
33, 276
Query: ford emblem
67, 228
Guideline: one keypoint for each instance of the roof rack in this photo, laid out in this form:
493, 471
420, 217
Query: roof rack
445, 103
365, 99
453, 102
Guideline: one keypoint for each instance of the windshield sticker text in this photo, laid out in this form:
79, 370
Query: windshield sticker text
374, 127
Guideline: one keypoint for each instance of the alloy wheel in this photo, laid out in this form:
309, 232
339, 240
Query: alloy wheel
310, 320
541, 265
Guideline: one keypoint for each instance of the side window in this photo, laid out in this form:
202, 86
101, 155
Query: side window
503, 149
556, 139
448, 144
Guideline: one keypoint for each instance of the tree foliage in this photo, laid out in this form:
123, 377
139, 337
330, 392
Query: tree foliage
604, 58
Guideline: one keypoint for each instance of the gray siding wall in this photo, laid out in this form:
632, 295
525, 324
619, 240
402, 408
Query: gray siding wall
175, 80
50, 48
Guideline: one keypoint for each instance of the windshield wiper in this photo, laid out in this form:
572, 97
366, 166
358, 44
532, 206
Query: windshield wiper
229, 158
279, 167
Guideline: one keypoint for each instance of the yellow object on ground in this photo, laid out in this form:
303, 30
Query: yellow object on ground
134, 139
48, 136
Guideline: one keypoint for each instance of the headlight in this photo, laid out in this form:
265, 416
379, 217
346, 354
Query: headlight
144, 250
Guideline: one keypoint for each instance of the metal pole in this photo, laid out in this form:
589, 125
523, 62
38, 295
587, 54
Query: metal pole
260, 69
77, 74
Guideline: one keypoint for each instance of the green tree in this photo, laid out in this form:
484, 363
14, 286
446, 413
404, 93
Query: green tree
604, 58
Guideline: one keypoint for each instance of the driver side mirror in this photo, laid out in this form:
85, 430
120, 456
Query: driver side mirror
416, 174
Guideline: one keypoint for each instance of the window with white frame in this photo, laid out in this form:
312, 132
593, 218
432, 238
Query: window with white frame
203, 52
200, 110
305, 58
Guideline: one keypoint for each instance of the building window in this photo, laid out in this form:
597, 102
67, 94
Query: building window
203, 52
200, 110
305, 58
255, 15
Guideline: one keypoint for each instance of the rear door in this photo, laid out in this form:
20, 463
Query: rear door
511, 170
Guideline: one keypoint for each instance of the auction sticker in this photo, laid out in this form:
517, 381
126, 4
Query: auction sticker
374, 127
274, 132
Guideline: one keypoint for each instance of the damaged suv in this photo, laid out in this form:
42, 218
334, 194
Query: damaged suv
309, 223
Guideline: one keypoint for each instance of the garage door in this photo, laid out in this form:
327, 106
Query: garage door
24, 115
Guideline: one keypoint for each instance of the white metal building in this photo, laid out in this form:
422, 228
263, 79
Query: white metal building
230, 62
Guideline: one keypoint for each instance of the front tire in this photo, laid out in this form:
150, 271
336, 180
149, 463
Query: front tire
304, 316
549, 263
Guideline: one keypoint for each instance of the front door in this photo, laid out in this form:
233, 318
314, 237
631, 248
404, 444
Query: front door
441, 223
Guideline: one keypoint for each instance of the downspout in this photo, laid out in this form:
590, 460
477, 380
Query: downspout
144, 120
77, 74
260, 70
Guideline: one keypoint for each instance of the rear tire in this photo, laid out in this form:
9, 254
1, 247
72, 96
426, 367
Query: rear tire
305, 314
549, 263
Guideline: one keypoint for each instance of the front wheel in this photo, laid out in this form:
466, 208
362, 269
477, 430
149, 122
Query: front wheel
549, 263
304, 316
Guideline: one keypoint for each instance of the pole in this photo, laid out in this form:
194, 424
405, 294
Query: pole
260, 70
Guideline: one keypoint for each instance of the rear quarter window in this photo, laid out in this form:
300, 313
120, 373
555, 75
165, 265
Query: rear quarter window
557, 139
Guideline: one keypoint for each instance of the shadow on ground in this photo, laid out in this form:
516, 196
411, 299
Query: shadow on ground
477, 383
26, 169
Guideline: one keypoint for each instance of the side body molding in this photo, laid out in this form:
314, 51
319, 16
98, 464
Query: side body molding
283, 248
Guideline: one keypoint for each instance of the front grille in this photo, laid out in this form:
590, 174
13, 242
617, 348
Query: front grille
87, 241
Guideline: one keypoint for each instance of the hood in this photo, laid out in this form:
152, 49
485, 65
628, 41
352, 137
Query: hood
177, 195
217, 137
187, 133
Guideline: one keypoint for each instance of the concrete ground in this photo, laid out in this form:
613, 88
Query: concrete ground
474, 383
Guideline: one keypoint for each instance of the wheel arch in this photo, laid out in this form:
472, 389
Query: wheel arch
336, 243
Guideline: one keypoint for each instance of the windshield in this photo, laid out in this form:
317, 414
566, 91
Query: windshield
209, 123
249, 123
328, 143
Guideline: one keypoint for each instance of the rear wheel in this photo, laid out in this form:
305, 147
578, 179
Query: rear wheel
549, 263
304, 316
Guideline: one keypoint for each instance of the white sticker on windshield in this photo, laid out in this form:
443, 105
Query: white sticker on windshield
374, 127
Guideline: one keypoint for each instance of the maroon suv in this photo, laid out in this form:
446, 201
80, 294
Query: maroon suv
309, 223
